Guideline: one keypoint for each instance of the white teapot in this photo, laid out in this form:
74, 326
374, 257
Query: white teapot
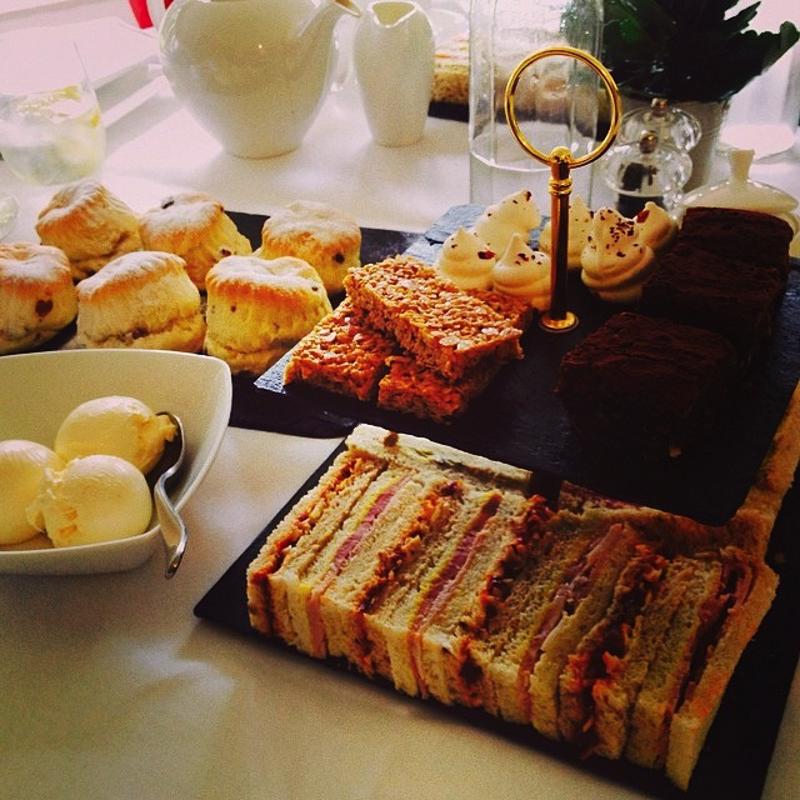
254, 73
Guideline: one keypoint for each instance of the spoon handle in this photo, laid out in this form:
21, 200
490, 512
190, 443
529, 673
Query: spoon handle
173, 528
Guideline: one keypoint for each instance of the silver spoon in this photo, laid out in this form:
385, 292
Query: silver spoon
173, 528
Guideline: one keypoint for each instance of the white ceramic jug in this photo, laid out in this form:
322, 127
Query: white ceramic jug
253, 72
393, 58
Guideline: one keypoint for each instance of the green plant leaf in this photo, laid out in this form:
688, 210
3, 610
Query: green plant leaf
688, 49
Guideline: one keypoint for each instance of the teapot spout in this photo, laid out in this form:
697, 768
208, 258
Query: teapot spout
317, 30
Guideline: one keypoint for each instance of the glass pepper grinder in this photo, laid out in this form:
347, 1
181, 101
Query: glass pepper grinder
672, 125
646, 169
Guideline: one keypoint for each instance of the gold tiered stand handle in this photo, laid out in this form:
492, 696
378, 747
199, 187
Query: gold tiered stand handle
560, 160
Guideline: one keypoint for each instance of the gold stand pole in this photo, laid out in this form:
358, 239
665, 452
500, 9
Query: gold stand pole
559, 318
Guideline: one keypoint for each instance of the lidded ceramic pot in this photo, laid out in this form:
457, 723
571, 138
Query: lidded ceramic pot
740, 191
254, 73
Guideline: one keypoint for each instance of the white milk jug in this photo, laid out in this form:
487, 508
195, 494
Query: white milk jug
393, 58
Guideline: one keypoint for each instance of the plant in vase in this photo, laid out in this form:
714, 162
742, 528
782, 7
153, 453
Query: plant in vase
696, 54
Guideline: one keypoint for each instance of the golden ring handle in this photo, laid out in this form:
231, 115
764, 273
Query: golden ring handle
608, 82
559, 319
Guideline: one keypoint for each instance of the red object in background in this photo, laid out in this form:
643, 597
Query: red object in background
145, 10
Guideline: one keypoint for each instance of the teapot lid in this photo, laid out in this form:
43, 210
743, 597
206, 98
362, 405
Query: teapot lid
739, 191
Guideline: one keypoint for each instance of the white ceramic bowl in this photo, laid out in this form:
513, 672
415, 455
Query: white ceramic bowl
38, 390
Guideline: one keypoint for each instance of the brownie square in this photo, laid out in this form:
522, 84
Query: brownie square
644, 386
749, 236
697, 287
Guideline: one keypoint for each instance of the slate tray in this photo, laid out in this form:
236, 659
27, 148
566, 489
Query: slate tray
520, 421
738, 749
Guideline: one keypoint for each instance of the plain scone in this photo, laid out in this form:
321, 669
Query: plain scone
325, 237
257, 309
143, 300
195, 227
37, 297
90, 224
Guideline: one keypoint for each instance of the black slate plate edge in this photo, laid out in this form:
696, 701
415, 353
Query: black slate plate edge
739, 747
458, 112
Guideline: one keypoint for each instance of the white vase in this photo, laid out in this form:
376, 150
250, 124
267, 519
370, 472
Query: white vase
393, 59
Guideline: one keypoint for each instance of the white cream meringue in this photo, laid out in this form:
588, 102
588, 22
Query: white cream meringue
516, 213
523, 272
615, 265
654, 226
466, 261
580, 226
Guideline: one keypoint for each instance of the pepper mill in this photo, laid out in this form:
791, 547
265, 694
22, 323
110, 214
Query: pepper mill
647, 169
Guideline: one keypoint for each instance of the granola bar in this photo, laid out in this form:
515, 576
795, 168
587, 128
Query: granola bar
412, 389
341, 354
517, 310
446, 329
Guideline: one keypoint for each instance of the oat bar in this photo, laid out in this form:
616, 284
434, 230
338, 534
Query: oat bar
446, 329
341, 354
411, 389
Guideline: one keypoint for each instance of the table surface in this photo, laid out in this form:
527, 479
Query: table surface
111, 686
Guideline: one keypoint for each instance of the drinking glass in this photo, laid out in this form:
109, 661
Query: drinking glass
50, 126
556, 101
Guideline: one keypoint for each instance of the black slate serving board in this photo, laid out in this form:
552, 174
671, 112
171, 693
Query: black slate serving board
519, 420
738, 749
454, 111
739, 746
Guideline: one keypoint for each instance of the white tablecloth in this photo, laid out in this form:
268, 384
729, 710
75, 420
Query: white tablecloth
111, 688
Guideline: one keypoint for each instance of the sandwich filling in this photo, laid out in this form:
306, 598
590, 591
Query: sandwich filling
343, 554
577, 585
439, 572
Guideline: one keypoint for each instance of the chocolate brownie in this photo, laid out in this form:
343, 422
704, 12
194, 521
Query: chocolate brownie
749, 236
698, 287
646, 386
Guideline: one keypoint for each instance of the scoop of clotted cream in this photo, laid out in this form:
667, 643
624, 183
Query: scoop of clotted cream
615, 265
93, 499
523, 272
466, 261
580, 226
117, 426
516, 213
654, 226
22, 466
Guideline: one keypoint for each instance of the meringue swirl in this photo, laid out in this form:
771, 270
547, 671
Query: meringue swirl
466, 261
523, 272
615, 265
654, 226
516, 213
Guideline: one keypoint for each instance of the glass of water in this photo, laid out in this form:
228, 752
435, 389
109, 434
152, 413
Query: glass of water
50, 126
557, 99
